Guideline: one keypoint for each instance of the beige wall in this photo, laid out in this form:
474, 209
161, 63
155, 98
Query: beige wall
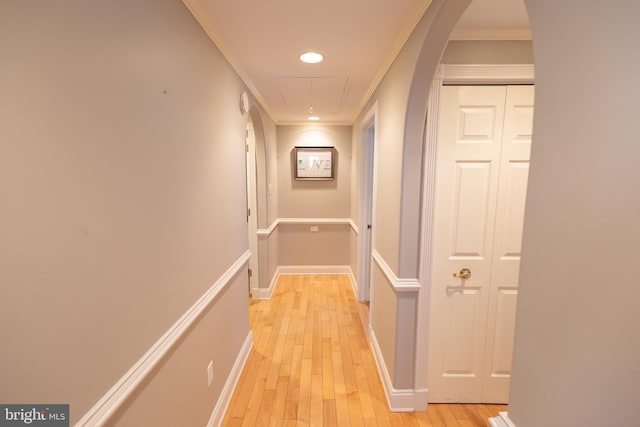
314, 199
272, 200
353, 253
123, 196
577, 343
328, 246
488, 52
354, 198
384, 318
176, 394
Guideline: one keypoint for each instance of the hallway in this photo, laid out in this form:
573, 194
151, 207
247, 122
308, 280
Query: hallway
311, 365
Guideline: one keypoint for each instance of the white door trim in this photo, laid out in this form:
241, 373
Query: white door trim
366, 200
482, 73
445, 74
252, 205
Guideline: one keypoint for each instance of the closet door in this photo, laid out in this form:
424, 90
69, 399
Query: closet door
481, 187
507, 242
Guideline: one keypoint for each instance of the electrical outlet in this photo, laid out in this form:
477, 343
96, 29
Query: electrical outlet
314, 229
210, 373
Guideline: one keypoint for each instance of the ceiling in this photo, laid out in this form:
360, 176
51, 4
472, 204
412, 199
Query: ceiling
262, 39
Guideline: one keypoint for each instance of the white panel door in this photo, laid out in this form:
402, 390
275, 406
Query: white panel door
481, 186
512, 190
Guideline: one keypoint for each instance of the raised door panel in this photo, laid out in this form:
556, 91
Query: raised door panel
463, 311
472, 197
500, 337
500, 361
509, 228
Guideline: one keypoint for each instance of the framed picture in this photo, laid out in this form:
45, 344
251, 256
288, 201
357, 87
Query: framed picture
314, 163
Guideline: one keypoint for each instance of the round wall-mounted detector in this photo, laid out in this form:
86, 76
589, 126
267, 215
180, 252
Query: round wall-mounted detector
244, 102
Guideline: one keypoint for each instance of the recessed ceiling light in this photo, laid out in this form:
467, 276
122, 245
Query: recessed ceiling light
311, 57
314, 118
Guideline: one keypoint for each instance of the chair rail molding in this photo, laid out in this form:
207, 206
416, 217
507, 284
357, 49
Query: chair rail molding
105, 408
266, 232
399, 285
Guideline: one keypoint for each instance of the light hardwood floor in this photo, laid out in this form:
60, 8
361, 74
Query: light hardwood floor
311, 365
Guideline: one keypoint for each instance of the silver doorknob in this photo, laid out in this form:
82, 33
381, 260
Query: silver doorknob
464, 273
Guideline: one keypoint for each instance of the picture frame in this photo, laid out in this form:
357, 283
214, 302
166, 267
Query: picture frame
314, 163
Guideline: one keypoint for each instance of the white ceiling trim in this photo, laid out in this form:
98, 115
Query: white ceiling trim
411, 23
204, 21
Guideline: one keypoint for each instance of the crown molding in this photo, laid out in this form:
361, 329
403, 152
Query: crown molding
410, 25
203, 19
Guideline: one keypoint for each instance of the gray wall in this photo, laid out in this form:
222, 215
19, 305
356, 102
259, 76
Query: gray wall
123, 195
299, 246
314, 199
488, 52
354, 198
389, 104
395, 215
577, 342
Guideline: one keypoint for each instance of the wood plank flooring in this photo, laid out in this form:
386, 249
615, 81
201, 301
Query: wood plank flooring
311, 365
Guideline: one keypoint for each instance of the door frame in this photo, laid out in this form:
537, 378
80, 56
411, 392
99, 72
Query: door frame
252, 206
368, 145
462, 74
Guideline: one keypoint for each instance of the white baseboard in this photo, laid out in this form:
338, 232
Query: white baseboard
420, 400
265, 294
113, 399
288, 270
502, 420
313, 269
398, 400
354, 283
230, 385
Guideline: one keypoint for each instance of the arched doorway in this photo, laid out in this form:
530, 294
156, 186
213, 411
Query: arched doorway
257, 200
444, 19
